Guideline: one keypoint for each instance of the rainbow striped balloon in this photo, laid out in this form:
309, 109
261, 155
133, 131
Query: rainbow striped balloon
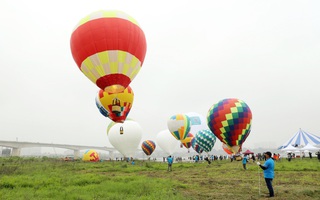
148, 146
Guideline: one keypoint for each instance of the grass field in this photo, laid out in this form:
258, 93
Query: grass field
48, 178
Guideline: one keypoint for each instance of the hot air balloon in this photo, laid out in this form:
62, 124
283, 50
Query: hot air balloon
127, 142
91, 155
109, 47
206, 140
230, 120
187, 141
197, 122
167, 142
118, 105
196, 146
148, 146
227, 149
179, 126
101, 109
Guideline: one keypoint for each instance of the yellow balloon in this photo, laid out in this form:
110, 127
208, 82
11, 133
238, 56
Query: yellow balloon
118, 105
91, 155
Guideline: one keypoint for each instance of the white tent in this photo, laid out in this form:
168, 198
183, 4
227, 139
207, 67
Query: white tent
310, 147
301, 139
290, 148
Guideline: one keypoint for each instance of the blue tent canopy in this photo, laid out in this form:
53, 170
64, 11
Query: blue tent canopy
301, 139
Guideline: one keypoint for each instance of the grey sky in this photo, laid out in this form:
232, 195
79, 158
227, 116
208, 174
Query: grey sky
265, 53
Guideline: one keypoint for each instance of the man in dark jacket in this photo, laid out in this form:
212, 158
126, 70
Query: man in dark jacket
318, 155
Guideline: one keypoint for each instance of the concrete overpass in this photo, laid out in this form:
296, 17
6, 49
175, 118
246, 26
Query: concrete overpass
16, 147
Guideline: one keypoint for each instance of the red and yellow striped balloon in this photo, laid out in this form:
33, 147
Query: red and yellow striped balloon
109, 47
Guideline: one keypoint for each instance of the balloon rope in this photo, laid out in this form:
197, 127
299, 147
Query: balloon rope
259, 180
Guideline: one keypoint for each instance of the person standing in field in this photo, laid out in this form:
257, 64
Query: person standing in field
244, 162
253, 158
208, 160
268, 171
289, 157
318, 155
196, 159
170, 161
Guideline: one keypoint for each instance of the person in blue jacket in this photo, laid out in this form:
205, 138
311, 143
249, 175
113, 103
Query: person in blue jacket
170, 161
244, 162
268, 171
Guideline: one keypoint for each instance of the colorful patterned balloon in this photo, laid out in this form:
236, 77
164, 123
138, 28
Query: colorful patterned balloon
179, 126
230, 120
91, 155
196, 146
109, 47
187, 141
205, 140
118, 105
148, 146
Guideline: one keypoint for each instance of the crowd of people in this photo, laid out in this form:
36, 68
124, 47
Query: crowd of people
199, 158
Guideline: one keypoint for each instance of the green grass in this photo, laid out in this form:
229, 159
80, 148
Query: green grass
47, 178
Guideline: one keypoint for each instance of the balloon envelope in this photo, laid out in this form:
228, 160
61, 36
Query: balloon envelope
187, 141
148, 146
197, 122
109, 47
125, 141
167, 142
91, 155
179, 126
118, 105
196, 146
230, 120
205, 139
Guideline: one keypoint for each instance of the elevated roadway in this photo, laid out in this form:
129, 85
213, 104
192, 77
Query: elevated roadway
17, 146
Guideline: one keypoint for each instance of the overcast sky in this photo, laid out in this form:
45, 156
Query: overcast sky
266, 53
